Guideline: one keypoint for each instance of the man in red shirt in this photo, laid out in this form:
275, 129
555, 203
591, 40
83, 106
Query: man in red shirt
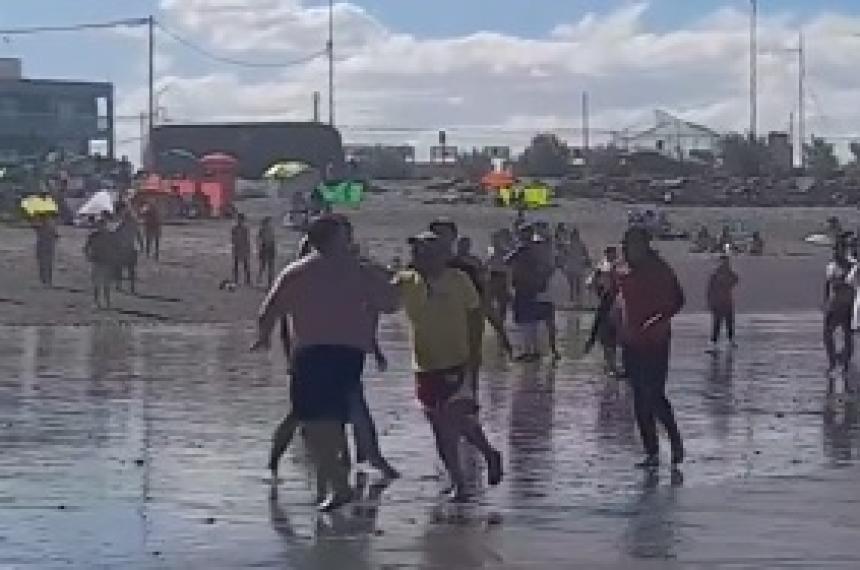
649, 296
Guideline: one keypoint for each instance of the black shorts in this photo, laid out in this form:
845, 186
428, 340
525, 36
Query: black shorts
323, 379
529, 310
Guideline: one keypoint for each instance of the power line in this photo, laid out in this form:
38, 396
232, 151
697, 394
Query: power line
200, 50
28, 31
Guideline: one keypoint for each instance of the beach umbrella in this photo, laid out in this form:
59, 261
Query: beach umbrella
495, 180
40, 205
285, 170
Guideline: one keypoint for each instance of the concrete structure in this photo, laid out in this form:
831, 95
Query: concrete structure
672, 137
371, 152
256, 146
38, 116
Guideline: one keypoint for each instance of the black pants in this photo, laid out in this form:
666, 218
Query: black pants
718, 317
648, 370
246, 269
834, 319
267, 264
45, 261
152, 244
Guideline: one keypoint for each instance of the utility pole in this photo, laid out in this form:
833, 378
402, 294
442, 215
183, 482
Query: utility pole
330, 49
316, 106
791, 136
754, 70
801, 98
586, 132
143, 150
148, 162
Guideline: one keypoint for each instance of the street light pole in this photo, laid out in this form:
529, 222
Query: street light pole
151, 124
801, 98
754, 69
330, 49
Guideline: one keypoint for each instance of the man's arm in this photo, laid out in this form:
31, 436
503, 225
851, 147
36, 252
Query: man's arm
383, 291
678, 298
275, 306
492, 316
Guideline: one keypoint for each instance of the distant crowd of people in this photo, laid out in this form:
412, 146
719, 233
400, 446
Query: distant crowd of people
111, 248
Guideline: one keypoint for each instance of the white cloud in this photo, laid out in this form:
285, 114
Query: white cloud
389, 78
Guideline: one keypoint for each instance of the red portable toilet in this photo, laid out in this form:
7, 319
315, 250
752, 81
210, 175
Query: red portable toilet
222, 169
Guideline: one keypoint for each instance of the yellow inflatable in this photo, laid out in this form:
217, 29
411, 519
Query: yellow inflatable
533, 196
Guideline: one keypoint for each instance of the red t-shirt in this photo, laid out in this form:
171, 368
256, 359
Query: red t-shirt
646, 291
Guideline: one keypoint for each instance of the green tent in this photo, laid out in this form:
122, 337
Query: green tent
348, 192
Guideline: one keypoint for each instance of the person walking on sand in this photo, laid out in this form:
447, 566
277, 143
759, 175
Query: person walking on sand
99, 252
330, 299
240, 241
152, 231
364, 429
445, 312
839, 295
473, 267
650, 295
46, 247
721, 301
266, 251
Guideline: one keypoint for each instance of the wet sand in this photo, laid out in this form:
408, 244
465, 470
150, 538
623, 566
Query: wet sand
144, 447
137, 438
184, 286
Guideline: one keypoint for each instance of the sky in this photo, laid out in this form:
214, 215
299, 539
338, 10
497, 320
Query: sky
490, 72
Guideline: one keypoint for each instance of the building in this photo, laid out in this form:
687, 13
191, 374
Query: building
257, 146
671, 137
38, 116
780, 153
497, 153
369, 153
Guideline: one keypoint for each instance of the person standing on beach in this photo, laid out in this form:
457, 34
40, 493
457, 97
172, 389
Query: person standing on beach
499, 285
604, 283
266, 251
721, 301
152, 231
650, 295
240, 241
530, 277
839, 295
573, 257
445, 314
330, 299
99, 252
46, 246
128, 239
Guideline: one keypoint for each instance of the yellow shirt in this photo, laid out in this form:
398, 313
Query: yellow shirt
439, 315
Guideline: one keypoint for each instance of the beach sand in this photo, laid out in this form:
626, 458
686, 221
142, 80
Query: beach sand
184, 286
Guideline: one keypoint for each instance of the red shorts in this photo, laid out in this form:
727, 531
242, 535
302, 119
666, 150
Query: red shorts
437, 387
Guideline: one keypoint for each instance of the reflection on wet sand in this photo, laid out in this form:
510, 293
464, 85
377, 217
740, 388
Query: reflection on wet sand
154, 439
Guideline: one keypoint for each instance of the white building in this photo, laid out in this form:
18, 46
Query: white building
671, 136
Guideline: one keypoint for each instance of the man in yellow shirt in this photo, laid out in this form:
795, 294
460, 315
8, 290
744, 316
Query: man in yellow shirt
445, 313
